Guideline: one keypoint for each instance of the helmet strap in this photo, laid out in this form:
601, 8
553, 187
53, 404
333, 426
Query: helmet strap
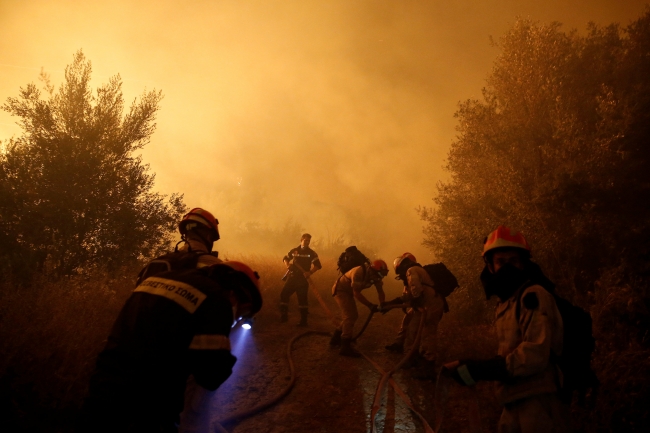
179, 242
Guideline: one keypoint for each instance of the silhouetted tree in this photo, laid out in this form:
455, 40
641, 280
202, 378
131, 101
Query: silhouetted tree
559, 148
72, 193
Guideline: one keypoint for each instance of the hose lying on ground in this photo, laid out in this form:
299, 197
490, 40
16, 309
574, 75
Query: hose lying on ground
440, 396
242, 414
386, 378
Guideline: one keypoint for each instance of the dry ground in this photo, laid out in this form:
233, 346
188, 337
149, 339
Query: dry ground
332, 393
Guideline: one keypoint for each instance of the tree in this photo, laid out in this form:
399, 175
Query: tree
558, 148
555, 149
72, 193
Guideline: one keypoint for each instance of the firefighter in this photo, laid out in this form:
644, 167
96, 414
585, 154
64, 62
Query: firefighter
174, 325
199, 230
301, 262
398, 344
425, 303
529, 331
346, 289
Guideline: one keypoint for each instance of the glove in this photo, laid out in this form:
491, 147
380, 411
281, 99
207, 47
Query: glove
471, 371
374, 308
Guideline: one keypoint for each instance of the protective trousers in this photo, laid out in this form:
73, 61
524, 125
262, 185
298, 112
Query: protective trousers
402, 333
298, 285
349, 312
434, 307
543, 413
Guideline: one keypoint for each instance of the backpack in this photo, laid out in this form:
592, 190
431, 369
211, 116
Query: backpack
444, 281
350, 258
172, 261
578, 345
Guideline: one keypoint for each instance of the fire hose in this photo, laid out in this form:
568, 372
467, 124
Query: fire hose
242, 414
386, 378
440, 396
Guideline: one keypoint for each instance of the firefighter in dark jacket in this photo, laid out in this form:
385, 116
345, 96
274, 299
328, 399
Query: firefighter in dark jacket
200, 230
175, 324
301, 263
529, 329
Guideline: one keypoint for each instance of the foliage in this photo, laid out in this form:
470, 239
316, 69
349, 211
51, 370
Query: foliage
72, 193
557, 148
46, 366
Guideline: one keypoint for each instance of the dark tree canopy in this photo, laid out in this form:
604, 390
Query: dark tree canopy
559, 148
72, 193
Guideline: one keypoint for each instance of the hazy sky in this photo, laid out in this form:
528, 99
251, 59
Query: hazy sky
336, 114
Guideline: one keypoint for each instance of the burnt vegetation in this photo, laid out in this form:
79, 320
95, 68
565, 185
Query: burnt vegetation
558, 147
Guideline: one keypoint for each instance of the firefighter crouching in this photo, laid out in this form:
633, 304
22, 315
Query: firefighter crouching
346, 289
529, 330
301, 263
174, 325
425, 303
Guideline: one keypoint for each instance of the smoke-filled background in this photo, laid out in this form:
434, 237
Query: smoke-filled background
330, 116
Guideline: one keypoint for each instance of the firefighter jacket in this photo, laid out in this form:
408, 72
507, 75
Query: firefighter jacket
303, 258
416, 281
206, 258
358, 278
529, 331
174, 324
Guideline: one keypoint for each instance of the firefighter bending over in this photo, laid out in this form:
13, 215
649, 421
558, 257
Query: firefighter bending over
398, 344
346, 289
529, 329
301, 262
174, 325
425, 303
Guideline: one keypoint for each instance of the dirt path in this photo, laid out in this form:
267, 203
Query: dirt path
332, 393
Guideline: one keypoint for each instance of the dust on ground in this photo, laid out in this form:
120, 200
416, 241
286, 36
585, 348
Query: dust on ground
332, 393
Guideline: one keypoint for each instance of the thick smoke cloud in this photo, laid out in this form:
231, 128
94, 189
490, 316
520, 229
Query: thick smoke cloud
335, 115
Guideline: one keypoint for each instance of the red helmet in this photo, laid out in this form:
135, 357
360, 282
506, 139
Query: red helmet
380, 266
244, 268
409, 256
248, 293
504, 237
398, 260
200, 216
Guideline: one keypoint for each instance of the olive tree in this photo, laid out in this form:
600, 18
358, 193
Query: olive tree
73, 192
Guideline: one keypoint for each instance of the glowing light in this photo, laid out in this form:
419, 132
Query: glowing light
246, 326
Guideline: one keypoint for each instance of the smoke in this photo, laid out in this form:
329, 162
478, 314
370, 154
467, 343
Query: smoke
334, 115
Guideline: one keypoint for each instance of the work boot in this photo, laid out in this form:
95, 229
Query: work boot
284, 313
303, 317
426, 370
336, 338
347, 349
395, 348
